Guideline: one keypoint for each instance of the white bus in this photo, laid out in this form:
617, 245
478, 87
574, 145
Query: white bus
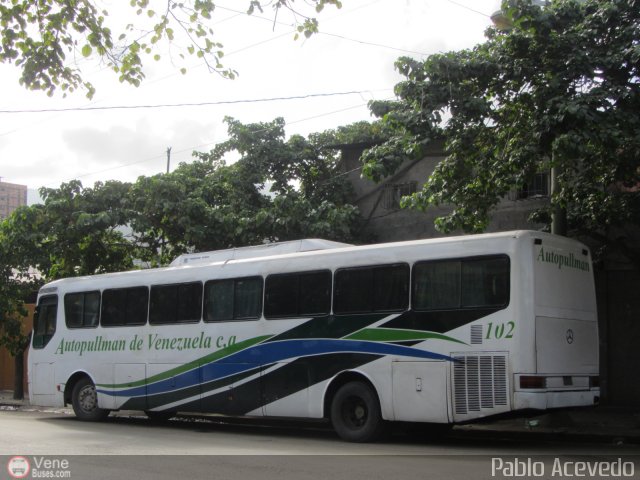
436, 331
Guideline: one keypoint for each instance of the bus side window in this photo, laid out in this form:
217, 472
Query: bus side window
306, 294
233, 299
452, 284
124, 306
81, 310
45, 321
485, 282
175, 303
380, 288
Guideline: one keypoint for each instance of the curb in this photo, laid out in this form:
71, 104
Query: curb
555, 435
467, 431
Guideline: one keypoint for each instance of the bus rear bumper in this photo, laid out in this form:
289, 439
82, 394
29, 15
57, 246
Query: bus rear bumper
544, 400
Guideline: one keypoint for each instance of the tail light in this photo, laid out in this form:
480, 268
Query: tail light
529, 381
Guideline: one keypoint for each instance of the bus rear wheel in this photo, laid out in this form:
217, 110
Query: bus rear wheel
85, 401
355, 413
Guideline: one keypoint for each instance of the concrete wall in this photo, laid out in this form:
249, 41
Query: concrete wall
387, 223
619, 321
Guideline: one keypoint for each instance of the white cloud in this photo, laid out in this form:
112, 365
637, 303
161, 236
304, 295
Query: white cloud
46, 149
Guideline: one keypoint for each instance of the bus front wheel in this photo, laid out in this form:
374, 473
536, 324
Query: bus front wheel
355, 413
85, 401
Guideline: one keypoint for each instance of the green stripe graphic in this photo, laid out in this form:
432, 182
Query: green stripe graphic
397, 335
212, 357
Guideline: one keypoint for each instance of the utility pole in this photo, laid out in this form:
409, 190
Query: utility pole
168, 158
558, 213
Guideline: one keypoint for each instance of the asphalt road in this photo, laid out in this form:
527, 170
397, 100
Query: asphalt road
129, 446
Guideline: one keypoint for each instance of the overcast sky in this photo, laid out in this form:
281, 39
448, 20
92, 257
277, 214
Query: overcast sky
355, 52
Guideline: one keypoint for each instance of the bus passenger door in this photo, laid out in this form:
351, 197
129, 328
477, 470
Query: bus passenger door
420, 391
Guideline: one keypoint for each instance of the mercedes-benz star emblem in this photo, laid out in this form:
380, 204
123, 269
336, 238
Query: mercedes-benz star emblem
569, 336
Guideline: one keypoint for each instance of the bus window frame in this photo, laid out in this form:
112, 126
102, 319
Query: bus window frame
46, 338
66, 321
234, 318
121, 325
372, 268
186, 322
461, 260
298, 314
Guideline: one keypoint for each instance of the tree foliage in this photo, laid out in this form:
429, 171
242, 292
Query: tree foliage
560, 88
46, 38
277, 189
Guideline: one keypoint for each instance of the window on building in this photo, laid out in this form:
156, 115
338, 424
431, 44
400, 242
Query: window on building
233, 299
461, 283
393, 193
82, 309
535, 186
298, 294
178, 303
124, 306
382, 288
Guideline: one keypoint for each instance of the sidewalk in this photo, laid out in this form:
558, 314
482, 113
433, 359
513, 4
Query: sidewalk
591, 424
598, 424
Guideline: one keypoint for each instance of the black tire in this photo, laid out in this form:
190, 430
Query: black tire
355, 413
85, 401
159, 416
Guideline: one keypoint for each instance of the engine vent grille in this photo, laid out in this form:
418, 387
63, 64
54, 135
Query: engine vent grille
480, 383
476, 334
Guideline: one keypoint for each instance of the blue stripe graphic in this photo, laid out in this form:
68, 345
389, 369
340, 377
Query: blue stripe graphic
268, 353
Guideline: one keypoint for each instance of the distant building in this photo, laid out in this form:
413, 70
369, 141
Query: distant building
12, 196
385, 221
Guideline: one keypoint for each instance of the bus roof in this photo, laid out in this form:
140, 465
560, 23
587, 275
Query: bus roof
291, 250
257, 251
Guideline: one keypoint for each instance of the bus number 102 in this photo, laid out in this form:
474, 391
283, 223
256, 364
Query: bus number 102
500, 330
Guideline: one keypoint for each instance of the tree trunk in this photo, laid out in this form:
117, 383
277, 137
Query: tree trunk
18, 381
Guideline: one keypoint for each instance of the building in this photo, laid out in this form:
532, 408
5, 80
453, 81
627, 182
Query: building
617, 281
385, 221
12, 196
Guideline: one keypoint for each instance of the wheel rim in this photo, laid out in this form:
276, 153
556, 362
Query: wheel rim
355, 412
87, 398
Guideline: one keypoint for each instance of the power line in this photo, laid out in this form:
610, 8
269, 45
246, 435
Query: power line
461, 5
176, 105
328, 34
193, 148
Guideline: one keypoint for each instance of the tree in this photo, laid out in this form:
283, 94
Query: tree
559, 90
46, 38
276, 190
79, 230
16, 284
